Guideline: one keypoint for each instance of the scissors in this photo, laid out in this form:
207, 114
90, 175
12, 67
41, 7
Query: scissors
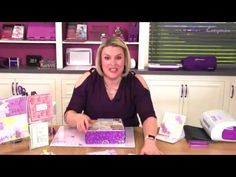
20, 90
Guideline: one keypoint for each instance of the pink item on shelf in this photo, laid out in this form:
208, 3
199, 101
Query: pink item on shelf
95, 32
40, 107
18, 32
41, 31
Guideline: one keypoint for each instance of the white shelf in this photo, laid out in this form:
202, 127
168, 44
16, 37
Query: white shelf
85, 42
27, 42
132, 43
94, 42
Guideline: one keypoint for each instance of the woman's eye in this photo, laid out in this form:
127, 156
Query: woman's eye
106, 58
119, 57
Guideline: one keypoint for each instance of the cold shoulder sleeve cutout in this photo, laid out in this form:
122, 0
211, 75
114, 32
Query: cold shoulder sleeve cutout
82, 78
142, 81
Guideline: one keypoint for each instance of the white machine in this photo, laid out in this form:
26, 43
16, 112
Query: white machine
219, 125
79, 56
78, 59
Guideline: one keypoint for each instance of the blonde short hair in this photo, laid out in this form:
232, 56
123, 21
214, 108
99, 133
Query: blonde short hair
116, 42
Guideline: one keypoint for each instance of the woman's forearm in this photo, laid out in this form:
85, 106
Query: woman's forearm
150, 126
150, 145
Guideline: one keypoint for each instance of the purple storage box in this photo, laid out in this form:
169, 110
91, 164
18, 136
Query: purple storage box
199, 63
41, 31
106, 131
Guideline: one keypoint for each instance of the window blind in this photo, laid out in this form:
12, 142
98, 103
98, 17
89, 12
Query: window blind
170, 42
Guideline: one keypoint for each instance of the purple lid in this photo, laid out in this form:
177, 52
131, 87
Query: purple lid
229, 133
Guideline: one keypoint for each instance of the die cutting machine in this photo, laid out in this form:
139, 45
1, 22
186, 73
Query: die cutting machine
220, 125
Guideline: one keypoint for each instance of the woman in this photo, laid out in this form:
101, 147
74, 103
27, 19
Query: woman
113, 91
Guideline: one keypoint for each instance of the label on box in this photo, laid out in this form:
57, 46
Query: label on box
41, 107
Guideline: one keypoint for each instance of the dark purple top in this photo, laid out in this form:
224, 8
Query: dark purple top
131, 98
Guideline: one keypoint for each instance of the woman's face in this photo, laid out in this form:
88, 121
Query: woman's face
113, 62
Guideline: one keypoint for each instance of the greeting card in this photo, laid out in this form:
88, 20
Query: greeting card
81, 32
171, 129
39, 134
18, 32
40, 107
7, 31
13, 119
71, 31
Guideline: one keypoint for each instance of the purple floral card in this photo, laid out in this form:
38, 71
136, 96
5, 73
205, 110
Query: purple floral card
172, 125
13, 119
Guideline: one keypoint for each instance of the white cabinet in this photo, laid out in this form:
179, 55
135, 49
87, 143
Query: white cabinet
201, 96
67, 86
165, 95
39, 85
190, 96
6, 86
231, 95
187, 95
65, 102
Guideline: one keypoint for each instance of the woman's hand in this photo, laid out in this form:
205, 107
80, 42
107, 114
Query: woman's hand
150, 148
83, 123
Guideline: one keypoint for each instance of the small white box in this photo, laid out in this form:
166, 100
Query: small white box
79, 56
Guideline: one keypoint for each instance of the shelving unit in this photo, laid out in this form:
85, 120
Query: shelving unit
94, 30
22, 48
27, 42
56, 49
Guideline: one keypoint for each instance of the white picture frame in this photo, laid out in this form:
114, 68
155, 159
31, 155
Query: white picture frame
81, 32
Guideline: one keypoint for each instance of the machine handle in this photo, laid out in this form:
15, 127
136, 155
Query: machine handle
12, 88
186, 90
232, 92
182, 91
